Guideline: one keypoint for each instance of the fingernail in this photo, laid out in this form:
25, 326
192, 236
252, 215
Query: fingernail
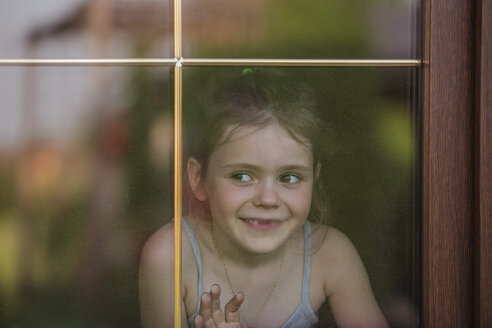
215, 289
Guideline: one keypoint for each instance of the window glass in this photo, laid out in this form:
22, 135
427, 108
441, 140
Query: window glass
85, 154
299, 29
367, 159
85, 29
84, 175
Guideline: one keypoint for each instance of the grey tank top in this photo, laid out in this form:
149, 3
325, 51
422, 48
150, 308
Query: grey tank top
304, 315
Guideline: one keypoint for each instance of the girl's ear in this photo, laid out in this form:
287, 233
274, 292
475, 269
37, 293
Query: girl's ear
317, 171
194, 169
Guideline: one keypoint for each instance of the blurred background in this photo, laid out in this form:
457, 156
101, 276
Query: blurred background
85, 151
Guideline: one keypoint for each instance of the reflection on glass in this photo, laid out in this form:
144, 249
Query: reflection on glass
260, 163
300, 29
85, 29
84, 171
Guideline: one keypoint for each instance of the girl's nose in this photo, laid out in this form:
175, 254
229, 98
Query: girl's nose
267, 196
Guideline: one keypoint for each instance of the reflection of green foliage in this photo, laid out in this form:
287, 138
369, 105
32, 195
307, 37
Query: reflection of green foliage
317, 27
53, 306
395, 133
148, 192
55, 234
8, 236
9, 252
7, 195
292, 28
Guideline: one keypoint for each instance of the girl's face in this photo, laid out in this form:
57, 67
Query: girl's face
259, 186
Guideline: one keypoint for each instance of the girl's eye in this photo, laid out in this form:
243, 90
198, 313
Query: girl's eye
289, 178
242, 177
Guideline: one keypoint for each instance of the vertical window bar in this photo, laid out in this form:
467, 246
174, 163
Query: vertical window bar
177, 29
178, 72
178, 69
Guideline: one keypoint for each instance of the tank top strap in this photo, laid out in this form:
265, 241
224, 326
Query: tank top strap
198, 259
306, 276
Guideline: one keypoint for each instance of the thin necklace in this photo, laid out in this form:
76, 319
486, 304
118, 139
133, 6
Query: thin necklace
267, 298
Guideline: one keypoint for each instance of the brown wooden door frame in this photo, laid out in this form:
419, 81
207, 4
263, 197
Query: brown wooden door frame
483, 166
457, 157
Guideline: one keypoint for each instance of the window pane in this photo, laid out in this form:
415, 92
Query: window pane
84, 175
366, 181
300, 29
85, 29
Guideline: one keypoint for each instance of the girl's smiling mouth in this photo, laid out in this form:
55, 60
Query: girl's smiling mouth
263, 224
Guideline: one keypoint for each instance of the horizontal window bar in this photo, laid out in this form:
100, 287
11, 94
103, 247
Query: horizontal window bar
92, 61
300, 62
213, 62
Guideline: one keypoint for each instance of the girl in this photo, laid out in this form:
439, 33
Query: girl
255, 236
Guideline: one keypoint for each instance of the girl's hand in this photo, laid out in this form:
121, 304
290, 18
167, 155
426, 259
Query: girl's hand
212, 316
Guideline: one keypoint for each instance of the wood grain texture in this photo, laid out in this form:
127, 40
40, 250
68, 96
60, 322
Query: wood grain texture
447, 256
483, 172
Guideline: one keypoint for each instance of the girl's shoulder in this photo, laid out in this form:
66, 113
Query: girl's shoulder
339, 269
159, 248
158, 251
156, 276
329, 241
334, 255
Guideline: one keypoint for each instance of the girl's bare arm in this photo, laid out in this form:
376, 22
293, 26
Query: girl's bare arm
156, 281
347, 285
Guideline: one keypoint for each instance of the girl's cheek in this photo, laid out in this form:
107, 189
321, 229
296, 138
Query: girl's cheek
229, 192
234, 193
302, 200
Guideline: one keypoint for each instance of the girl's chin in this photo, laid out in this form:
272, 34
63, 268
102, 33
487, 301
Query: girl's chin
263, 246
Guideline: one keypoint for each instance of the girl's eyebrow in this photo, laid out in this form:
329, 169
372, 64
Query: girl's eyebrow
252, 167
239, 165
296, 168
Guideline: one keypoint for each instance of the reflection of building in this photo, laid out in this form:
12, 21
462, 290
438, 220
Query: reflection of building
122, 24
114, 26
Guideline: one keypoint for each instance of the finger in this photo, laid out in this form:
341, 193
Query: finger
232, 307
205, 310
198, 321
215, 294
216, 311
